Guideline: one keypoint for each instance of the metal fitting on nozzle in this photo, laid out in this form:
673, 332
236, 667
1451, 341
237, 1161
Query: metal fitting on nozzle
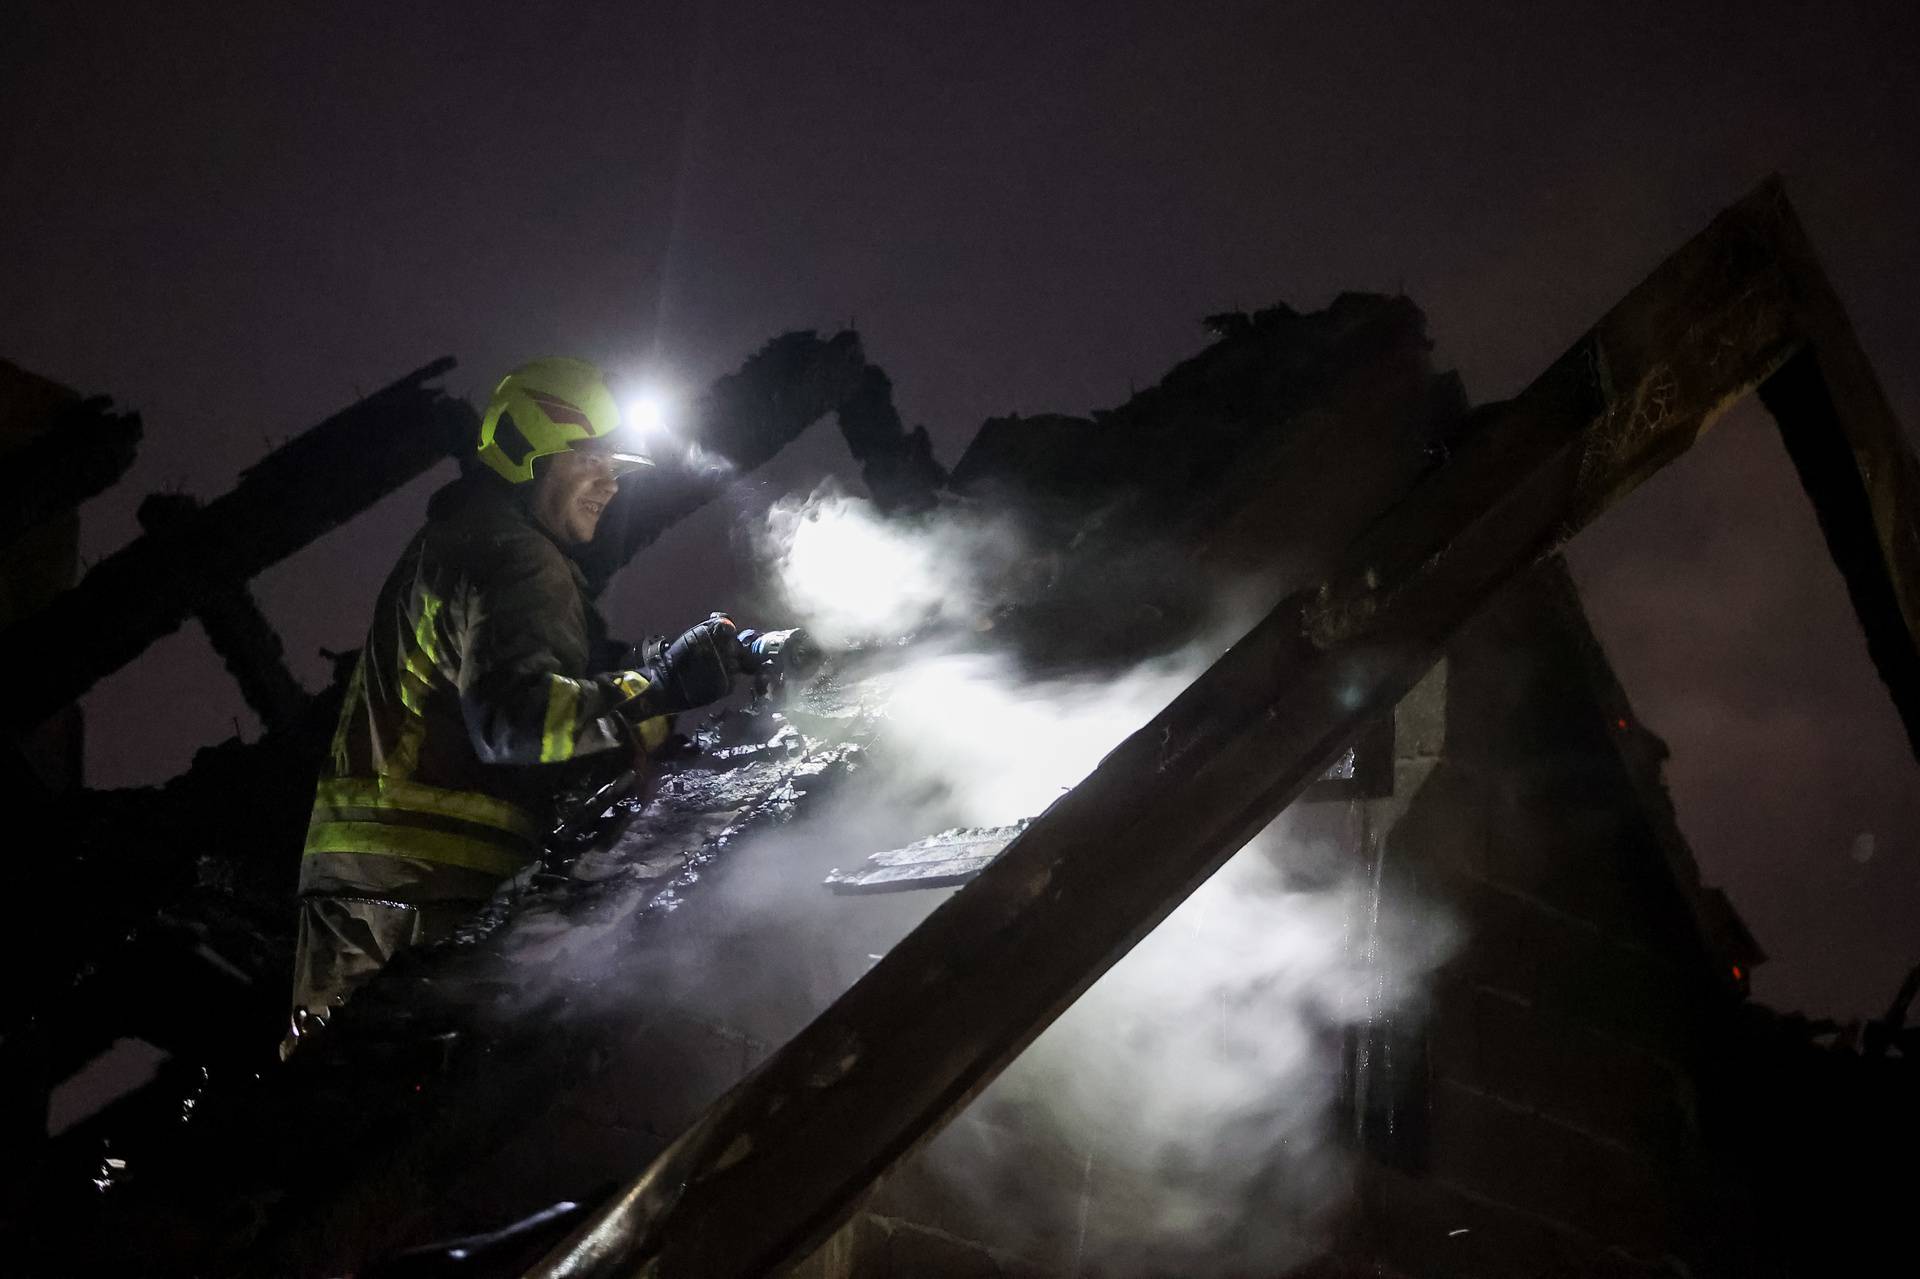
792, 651
771, 656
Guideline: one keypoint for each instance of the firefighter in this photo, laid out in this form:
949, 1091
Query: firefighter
478, 685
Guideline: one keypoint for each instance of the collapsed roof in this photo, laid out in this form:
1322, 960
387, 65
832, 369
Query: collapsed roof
463, 1055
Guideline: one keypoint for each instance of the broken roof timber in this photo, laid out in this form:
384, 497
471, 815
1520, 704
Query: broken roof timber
239, 632
1865, 484
82, 449
776, 1165
313, 483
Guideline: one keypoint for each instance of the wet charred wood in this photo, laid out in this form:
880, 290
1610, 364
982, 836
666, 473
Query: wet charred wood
308, 486
85, 450
938, 861
776, 1165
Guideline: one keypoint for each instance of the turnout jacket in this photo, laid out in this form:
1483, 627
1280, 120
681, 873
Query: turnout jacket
471, 695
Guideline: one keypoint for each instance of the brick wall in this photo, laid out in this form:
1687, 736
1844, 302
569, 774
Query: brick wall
1567, 1039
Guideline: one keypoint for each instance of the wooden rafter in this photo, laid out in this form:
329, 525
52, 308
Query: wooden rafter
146, 589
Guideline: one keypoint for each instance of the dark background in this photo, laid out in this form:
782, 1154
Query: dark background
235, 219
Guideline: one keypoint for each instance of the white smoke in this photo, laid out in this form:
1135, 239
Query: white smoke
1003, 746
854, 575
1188, 1099
1200, 1080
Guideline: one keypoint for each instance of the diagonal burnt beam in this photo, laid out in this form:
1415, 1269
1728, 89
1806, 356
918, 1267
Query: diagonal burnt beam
313, 483
777, 1164
1859, 469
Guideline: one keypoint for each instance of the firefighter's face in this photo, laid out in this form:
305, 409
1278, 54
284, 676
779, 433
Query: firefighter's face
570, 493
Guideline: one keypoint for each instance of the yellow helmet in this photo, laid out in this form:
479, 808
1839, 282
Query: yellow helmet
553, 406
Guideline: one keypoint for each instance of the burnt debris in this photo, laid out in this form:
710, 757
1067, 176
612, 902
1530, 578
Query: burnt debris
77, 448
314, 483
186, 937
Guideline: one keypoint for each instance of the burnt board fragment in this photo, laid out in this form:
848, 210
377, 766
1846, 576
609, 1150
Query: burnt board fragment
1363, 770
938, 861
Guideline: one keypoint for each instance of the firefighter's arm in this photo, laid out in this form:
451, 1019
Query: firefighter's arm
524, 647
526, 633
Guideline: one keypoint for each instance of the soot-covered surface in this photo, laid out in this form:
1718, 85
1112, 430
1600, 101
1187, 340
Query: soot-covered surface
457, 1049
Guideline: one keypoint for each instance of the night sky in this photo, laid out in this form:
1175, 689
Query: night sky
237, 218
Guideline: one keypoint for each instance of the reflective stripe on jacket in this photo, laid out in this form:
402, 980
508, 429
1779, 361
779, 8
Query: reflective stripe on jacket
387, 817
473, 692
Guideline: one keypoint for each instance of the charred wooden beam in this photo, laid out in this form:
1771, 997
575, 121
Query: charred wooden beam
1224, 459
239, 632
236, 818
747, 417
896, 464
83, 452
775, 1166
1857, 466
312, 484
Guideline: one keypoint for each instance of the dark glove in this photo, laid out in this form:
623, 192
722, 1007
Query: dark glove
694, 670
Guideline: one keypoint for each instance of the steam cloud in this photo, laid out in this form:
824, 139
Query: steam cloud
1001, 747
1199, 1082
852, 575
1183, 1113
